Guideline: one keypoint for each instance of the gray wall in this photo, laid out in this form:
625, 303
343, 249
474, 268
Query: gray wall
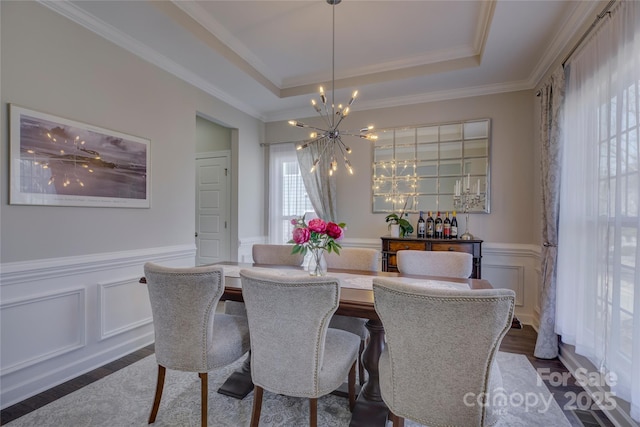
52, 65
513, 163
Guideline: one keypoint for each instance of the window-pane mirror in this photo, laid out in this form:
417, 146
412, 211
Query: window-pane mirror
423, 167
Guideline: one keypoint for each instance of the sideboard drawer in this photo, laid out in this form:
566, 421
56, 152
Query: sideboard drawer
395, 246
457, 247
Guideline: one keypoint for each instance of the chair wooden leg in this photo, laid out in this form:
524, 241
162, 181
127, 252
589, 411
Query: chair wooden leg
313, 412
360, 365
204, 395
352, 386
396, 420
156, 400
257, 406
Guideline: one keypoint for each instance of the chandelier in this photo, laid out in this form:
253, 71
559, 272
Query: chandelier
328, 141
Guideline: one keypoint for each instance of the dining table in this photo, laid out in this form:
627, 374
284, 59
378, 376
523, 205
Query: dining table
356, 300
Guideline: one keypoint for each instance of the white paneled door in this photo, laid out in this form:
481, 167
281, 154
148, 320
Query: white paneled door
212, 209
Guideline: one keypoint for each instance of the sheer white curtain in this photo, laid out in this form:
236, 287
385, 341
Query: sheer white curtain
320, 185
287, 194
598, 282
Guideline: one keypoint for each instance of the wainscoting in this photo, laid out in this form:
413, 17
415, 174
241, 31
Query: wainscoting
515, 267
66, 316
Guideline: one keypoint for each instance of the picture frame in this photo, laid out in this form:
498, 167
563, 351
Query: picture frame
60, 162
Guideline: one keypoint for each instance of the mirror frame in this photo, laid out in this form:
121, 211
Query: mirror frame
404, 191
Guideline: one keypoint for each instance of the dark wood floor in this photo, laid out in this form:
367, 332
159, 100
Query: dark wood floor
521, 341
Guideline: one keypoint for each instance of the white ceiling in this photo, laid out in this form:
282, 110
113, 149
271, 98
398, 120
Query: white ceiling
268, 58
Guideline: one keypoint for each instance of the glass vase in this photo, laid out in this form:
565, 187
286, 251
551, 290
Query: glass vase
317, 263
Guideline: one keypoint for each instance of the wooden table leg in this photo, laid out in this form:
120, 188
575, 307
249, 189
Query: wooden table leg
370, 410
239, 383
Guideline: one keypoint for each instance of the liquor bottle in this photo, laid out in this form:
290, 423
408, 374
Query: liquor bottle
439, 227
447, 226
430, 226
454, 226
422, 227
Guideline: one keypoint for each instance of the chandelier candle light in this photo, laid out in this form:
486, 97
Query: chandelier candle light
466, 199
329, 141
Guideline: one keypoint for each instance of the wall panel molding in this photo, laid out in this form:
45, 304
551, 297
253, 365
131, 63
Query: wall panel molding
124, 306
48, 341
515, 279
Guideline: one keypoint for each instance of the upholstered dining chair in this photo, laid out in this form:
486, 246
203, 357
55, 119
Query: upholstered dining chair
439, 359
189, 335
353, 259
293, 350
435, 263
275, 254
266, 254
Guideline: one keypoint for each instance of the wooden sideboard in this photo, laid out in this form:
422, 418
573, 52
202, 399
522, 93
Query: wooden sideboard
391, 245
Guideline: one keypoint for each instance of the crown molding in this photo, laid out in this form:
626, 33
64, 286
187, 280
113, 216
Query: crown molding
484, 25
204, 18
559, 44
444, 95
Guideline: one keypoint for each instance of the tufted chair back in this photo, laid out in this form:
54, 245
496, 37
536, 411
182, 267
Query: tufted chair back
275, 254
266, 254
292, 350
441, 345
189, 335
435, 263
354, 259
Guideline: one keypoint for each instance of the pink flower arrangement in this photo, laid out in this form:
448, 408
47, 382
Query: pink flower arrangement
318, 234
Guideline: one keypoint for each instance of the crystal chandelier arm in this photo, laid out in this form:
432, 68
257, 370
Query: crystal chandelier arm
342, 146
342, 114
324, 148
347, 163
325, 143
308, 142
323, 98
303, 125
325, 115
367, 136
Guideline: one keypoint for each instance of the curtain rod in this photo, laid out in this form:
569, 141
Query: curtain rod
606, 11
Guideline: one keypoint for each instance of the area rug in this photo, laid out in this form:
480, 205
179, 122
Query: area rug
124, 398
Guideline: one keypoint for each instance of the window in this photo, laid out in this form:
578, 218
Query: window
598, 308
287, 195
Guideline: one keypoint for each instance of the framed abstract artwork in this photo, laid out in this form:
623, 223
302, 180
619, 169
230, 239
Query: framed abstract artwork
61, 162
